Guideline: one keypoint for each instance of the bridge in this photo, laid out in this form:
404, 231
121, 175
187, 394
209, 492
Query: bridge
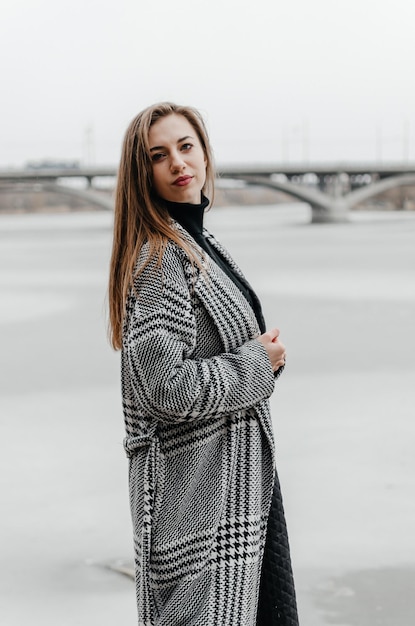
331, 190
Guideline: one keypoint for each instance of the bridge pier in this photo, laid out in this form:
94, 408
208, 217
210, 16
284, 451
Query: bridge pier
336, 214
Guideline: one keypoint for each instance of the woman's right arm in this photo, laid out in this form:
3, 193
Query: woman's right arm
160, 337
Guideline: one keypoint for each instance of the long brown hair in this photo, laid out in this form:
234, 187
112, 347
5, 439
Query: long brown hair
138, 216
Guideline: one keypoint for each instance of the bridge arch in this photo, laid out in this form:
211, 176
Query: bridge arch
324, 208
373, 189
92, 197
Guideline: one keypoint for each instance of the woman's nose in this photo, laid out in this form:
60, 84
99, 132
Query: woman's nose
176, 163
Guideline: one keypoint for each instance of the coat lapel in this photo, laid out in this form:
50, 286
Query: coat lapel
216, 244
232, 315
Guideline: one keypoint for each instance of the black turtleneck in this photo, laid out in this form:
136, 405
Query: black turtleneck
190, 216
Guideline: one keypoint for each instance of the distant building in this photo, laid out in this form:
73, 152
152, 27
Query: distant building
51, 164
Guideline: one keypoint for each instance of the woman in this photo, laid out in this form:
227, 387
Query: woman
197, 371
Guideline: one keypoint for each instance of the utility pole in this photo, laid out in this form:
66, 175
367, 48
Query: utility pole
405, 140
306, 141
89, 145
285, 146
379, 143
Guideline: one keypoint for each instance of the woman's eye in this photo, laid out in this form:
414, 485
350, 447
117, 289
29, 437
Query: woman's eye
157, 157
187, 146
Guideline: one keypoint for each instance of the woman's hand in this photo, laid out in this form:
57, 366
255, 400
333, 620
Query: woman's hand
275, 349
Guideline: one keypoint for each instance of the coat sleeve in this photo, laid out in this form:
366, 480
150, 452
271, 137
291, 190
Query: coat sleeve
159, 340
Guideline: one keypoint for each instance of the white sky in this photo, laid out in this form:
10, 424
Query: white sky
292, 80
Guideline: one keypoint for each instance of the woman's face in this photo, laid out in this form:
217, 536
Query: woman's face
179, 162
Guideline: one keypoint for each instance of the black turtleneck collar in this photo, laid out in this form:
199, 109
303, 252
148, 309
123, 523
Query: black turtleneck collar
190, 216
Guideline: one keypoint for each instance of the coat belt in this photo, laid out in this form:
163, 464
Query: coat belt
132, 444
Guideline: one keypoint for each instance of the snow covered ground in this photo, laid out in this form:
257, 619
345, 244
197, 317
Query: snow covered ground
344, 298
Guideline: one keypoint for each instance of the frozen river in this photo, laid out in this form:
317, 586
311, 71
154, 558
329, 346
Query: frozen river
344, 414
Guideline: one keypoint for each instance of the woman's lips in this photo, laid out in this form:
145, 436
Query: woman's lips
182, 181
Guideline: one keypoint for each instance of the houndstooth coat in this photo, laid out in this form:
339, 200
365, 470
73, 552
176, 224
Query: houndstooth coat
195, 385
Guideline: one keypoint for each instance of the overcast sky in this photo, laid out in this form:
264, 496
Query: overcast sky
293, 80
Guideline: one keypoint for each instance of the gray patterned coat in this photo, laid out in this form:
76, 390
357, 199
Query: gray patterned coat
195, 385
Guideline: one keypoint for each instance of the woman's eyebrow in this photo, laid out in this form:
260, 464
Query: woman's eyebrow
184, 138
178, 141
